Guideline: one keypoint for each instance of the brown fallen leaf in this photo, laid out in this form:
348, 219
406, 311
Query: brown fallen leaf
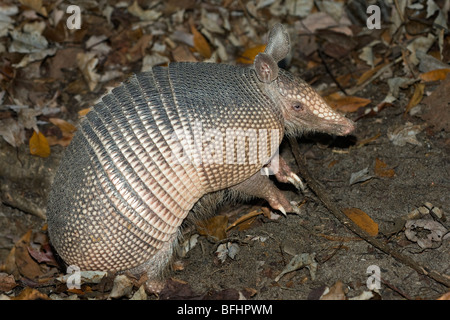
87, 63
361, 218
436, 109
177, 289
369, 73
67, 130
45, 255
248, 56
7, 282
381, 169
31, 294
244, 222
200, 43
434, 75
336, 292
39, 145
138, 50
63, 125
346, 103
214, 227
36, 5
84, 112
26, 265
445, 296
419, 89
9, 266
182, 53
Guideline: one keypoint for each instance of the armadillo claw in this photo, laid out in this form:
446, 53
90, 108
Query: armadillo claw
282, 210
296, 181
284, 174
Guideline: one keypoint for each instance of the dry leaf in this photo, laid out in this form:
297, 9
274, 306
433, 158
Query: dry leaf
248, 56
346, 103
369, 73
64, 126
188, 244
7, 282
86, 63
214, 227
84, 112
12, 132
445, 296
200, 43
424, 232
182, 53
381, 169
434, 75
145, 15
360, 176
362, 220
31, 294
419, 89
67, 130
405, 134
302, 260
36, 5
336, 292
39, 145
122, 287
225, 250
245, 221
25, 264
9, 265
436, 108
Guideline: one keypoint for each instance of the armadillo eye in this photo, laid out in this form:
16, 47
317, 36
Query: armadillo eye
298, 107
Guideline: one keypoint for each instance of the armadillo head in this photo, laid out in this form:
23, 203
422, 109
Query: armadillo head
302, 107
305, 110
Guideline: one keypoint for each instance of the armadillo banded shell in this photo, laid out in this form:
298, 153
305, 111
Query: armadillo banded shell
119, 195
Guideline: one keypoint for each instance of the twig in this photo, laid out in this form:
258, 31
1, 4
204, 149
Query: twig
321, 55
375, 76
337, 212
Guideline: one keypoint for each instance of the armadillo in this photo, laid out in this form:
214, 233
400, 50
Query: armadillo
163, 141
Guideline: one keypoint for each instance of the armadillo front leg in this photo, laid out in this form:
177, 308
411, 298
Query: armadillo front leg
283, 173
260, 186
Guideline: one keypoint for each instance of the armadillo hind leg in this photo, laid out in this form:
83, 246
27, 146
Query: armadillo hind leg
157, 265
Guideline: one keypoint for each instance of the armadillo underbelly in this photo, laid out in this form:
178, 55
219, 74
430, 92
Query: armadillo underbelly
135, 167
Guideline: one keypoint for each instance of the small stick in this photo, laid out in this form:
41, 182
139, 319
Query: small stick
337, 212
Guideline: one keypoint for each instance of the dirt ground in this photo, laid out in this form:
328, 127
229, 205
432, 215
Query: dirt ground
406, 156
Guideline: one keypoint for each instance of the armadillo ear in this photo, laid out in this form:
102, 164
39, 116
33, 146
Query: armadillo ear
266, 68
279, 44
